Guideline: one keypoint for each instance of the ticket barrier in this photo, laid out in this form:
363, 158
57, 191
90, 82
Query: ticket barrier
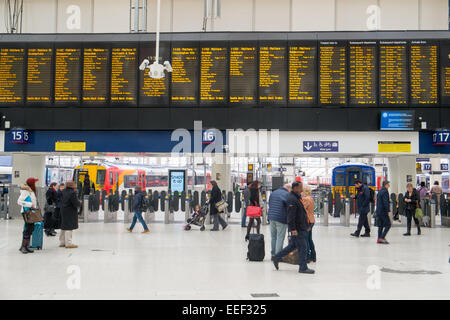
346, 220
127, 213
149, 215
325, 212
168, 213
187, 207
110, 215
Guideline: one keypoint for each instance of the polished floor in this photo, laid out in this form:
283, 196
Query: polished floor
170, 263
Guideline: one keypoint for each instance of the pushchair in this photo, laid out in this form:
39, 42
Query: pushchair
198, 219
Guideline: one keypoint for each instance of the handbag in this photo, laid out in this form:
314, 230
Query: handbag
418, 214
253, 211
221, 206
33, 215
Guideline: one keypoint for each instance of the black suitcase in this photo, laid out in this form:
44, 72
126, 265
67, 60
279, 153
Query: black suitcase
256, 247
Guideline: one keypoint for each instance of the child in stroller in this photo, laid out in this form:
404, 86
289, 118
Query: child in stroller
198, 217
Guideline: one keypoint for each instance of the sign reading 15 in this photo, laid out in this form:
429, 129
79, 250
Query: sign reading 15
441, 137
20, 136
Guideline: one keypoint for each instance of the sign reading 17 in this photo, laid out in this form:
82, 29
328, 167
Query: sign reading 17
441, 137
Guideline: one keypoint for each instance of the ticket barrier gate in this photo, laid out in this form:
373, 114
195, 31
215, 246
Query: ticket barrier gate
127, 212
168, 213
110, 215
345, 218
325, 212
187, 207
149, 215
91, 208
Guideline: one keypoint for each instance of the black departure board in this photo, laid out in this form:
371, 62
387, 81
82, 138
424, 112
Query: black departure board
154, 92
67, 75
272, 74
213, 75
302, 74
184, 89
95, 75
123, 76
243, 72
363, 66
12, 75
423, 72
393, 73
445, 72
39, 75
332, 73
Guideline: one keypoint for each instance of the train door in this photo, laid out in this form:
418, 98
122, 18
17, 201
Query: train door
353, 174
141, 179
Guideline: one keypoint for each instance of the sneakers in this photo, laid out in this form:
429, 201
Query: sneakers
307, 271
71, 246
354, 234
146, 231
382, 241
275, 262
365, 235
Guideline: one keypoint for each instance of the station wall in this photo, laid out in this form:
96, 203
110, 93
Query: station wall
98, 16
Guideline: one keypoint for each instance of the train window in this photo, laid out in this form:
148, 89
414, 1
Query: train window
111, 178
367, 178
75, 175
130, 181
101, 175
339, 179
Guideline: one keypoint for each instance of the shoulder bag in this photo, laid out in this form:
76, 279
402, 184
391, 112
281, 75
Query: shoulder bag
33, 215
221, 206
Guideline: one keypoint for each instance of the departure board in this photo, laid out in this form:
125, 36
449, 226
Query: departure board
11, 75
67, 75
362, 64
213, 75
184, 89
445, 73
423, 72
123, 75
302, 74
332, 73
95, 75
154, 92
243, 73
39, 75
272, 74
393, 73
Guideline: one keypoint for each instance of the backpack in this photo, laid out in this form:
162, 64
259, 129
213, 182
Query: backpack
143, 204
372, 195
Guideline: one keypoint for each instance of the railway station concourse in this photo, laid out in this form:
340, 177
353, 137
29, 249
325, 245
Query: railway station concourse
120, 120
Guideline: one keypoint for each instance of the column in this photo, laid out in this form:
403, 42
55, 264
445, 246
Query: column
221, 172
435, 166
26, 165
406, 172
393, 174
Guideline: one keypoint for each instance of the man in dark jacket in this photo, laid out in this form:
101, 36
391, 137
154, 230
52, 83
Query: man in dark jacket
383, 213
69, 215
277, 216
216, 196
363, 208
51, 200
138, 205
298, 227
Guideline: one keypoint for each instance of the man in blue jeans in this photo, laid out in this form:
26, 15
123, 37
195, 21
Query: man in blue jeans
298, 228
278, 217
138, 205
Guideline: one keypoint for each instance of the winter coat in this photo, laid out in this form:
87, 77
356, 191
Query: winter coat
26, 204
51, 197
308, 203
86, 187
254, 197
383, 207
246, 195
296, 214
137, 201
216, 196
363, 200
411, 206
59, 199
69, 209
277, 206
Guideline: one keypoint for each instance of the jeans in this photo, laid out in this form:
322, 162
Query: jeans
363, 221
277, 234
310, 248
217, 218
138, 216
384, 224
295, 242
244, 217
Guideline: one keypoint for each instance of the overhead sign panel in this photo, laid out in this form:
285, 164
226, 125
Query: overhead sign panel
394, 146
320, 146
397, 120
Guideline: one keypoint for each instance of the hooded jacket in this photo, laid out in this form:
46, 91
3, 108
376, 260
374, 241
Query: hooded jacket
26, 194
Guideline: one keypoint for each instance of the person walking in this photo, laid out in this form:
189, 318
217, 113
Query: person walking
277, 217
308, 203
383, 213
216, 196
27, 200
138, 201
411, 199
49, 215
298, 227
437, 190
69, 215
363, 208
246, 196
254, 201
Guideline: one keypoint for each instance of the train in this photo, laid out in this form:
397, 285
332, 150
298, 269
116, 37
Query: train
112, 177
344, 176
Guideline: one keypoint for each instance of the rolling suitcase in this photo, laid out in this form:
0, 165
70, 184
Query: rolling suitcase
256, 247
37, 237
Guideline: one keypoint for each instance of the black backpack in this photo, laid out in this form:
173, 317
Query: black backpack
256, 247
372, 195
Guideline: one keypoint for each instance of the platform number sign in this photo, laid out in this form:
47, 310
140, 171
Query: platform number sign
441, 137
20, 136
208, 136
427, 167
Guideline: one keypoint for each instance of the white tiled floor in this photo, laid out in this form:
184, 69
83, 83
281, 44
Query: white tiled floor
170, 263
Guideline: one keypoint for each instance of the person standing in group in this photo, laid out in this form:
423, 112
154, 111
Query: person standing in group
411, 199
69, 215
277, 217
246, 196
437, 190
138, 201
298, 227
27, 200
51, 200
383, 213
363, 208
308, 203
57, 213
216, 196
254, 201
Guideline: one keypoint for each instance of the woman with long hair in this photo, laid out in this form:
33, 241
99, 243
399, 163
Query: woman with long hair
308, 203
411, 200
27, 200
254, 201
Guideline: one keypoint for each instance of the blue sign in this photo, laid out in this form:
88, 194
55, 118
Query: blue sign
20, 136
397, 120
444, 166
441, 137
320, 146
422, 159
427, 166
208, 136
177, 180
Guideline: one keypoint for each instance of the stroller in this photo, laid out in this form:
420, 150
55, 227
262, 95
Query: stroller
198, 219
